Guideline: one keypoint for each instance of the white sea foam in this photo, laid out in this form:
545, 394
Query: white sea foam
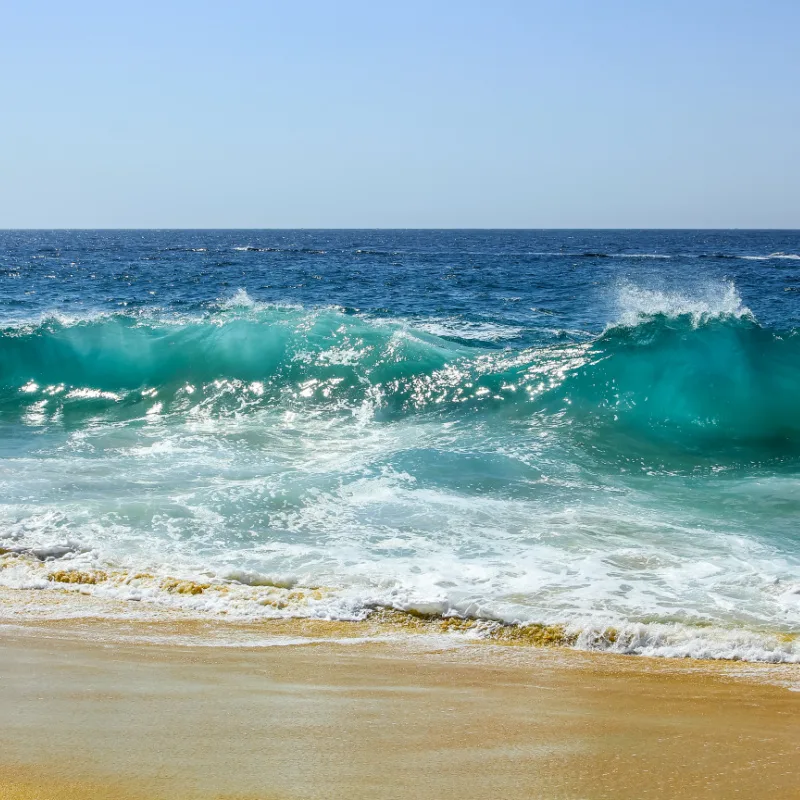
686, 641
26, 324
641, 255
706, 301
259, 598
240, 300
387, 541
467, 330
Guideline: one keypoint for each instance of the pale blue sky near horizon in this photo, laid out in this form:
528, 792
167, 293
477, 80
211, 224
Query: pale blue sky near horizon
394, 115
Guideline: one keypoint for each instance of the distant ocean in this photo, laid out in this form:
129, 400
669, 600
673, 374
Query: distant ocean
597, 431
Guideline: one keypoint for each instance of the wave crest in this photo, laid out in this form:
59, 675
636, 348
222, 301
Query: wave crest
692, 372
711, 301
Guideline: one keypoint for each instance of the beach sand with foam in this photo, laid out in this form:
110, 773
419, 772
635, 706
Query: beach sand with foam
116, 708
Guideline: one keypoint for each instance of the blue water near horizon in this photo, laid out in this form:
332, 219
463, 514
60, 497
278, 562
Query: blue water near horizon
475, 273
591, 428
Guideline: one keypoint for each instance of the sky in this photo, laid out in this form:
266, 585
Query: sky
399, 114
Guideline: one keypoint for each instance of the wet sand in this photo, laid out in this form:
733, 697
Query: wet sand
86, 714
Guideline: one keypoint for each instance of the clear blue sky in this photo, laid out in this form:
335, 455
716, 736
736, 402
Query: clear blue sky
401, 114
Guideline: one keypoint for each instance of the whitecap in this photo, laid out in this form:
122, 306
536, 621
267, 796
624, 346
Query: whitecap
706, 301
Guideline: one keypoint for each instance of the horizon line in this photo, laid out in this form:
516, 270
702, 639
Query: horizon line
398, 228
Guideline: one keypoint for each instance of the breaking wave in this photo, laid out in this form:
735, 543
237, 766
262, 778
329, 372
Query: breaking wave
691, 371
275, 460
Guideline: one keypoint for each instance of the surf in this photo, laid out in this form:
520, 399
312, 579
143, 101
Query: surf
621, 476
685, 373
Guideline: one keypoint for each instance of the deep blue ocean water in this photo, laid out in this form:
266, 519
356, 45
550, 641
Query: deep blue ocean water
598, 429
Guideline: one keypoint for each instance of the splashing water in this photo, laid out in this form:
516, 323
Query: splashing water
628, 476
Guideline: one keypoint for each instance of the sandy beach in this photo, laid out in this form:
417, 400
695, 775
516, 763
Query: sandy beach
97, 708
400, 401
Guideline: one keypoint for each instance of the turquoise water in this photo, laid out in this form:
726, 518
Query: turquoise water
594, 429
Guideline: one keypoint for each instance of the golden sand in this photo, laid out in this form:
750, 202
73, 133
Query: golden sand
130, 710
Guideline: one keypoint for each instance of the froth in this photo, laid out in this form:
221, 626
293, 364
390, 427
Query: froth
708, 301
451, 327
240, 299
74, 588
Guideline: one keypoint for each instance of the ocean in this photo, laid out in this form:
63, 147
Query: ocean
594, 432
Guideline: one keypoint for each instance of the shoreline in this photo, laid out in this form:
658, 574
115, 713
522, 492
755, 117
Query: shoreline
132, 709
70, 593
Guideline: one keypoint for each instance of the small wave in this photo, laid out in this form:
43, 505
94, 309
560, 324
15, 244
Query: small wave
592, 254
779, 256
641, 255
308, 250
366, 252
